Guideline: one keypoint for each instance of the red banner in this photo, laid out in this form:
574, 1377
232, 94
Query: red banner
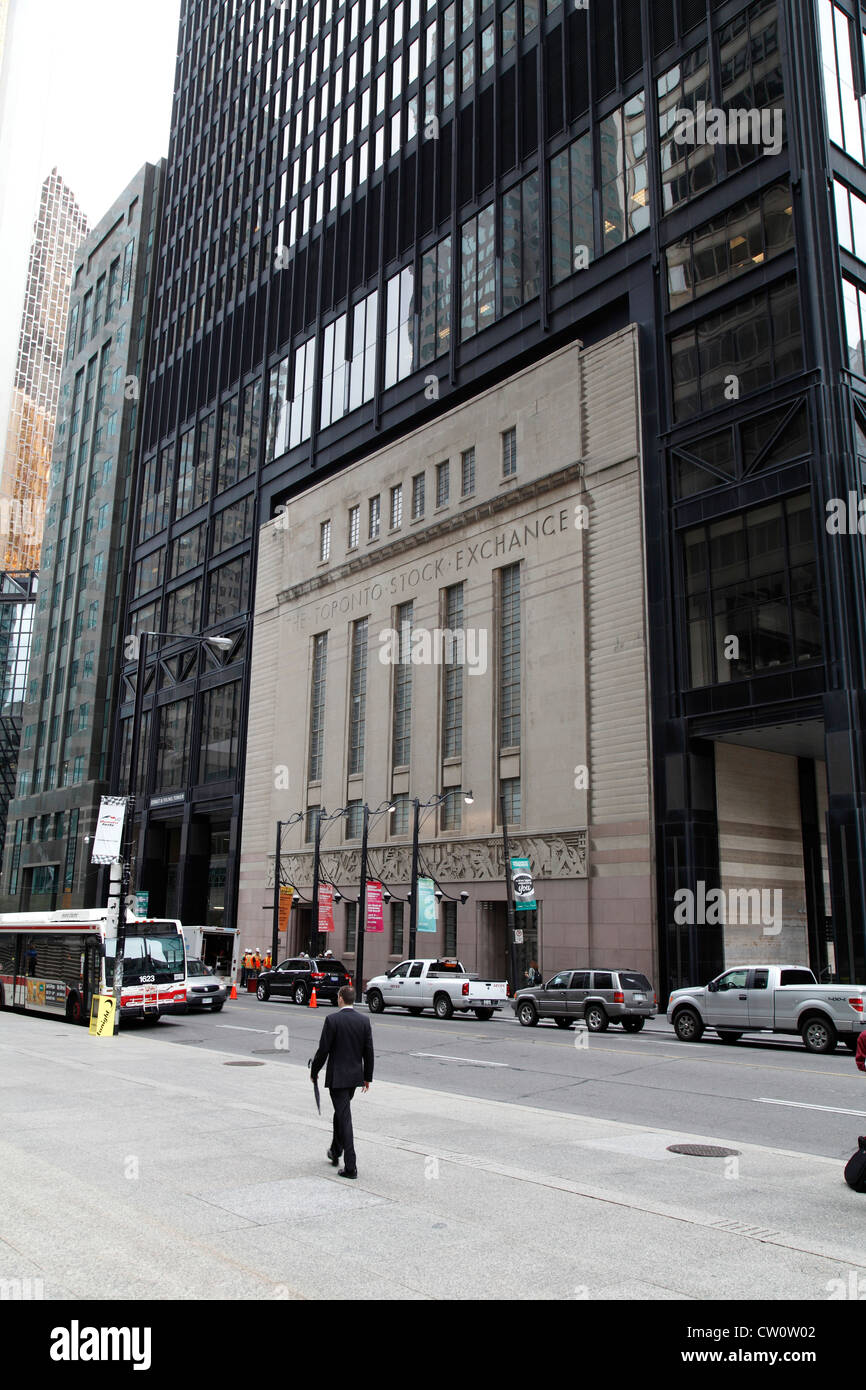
286, 895
326, 907
374, 918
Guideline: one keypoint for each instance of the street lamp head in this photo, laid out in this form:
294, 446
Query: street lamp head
386, 896
222, 643
338, 897
464, 898
468, 798
439, 894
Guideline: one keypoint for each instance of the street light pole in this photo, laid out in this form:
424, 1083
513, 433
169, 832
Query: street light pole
275, 934
314, 928
413, 905
509, 888
361, 925
129, 875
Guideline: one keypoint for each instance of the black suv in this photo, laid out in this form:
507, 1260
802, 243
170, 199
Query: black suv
298, 977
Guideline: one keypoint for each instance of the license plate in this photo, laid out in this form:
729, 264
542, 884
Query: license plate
639, 998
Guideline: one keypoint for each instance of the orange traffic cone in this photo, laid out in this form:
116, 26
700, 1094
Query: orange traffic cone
313, 1004
234, 993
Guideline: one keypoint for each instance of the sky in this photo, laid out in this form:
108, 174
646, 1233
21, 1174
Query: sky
87, 88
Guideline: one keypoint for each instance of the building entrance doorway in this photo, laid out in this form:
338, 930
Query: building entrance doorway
493, 957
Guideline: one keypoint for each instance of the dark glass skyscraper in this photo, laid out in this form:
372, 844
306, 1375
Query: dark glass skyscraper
375, 210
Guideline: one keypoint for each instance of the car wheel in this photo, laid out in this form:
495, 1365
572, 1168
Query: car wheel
484, 1014
597, 1020
300, 994
416, 1012
375, 1002
442, 1006
527, 1013
216, 1008
727, 1037
563, 1022
819, 1035
688, 1026
632, 1025
263, 993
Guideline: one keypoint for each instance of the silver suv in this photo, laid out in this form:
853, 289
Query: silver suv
599, 997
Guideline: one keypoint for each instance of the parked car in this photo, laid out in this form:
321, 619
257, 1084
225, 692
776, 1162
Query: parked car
599, 997
204, 989
771, 999
297, 978
441, 985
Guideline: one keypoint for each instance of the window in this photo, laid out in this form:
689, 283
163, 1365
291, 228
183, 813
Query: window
354, 527
509, 452
509, 660
744, 236
402, 715
839, 60
358, 698
418, 497
324, 542
335, 372
442, 484
449, 928
508, 28
756, 341
530, 15
467, 466
230, 526
396, 507
451, 810
183, 608
435, 308
452, 679
687, 168
750, 64
521, 246
477, 273
374, 518
354, 820
228, 590
399, 326
510, 793
400, 817
312, 816
221, 709
173, 745
397, 933
752, 576
351, 925
317, 706
251, 412
624, 187
362, 370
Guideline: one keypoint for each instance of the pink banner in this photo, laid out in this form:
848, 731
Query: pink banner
326, 907
374, 918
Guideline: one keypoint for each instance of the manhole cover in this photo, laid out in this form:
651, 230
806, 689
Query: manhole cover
703, 1151
243, 1064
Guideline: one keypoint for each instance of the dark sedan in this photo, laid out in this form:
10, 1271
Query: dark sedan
297, 977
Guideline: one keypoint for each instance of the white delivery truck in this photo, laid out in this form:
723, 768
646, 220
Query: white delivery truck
441, 985
771, 999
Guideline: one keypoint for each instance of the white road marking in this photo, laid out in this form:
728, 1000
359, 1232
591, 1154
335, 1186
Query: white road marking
237, 1028
804, 1105
470, 1061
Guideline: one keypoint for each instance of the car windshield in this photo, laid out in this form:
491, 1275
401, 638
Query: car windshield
153, 954
628, 980
195, 967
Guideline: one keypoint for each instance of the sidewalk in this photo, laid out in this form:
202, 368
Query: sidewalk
134, 1168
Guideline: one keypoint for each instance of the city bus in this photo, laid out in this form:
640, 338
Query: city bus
54, 963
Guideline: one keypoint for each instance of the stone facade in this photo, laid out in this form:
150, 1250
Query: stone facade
570, 515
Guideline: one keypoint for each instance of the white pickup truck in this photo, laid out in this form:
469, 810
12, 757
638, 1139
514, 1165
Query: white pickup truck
771, 999
441, 985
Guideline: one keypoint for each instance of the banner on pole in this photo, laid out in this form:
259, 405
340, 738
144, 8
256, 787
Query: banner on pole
426, 905
374, 916
108, 837
286, 895
524, 888
326, 907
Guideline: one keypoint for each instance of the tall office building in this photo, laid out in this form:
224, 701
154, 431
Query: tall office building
378, 213
59, 229
74, 678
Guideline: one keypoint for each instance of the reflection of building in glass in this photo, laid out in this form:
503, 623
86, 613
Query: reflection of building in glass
69, 702
60, 227
17, 606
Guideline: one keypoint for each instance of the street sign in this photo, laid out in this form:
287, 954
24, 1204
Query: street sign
142, 902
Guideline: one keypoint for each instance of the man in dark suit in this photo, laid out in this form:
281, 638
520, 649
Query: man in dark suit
347, 1043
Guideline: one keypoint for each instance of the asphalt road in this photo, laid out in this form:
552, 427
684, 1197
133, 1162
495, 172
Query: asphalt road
762, 1091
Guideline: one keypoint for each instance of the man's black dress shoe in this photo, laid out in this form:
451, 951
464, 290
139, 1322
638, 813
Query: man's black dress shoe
333, 1157
343, 1173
